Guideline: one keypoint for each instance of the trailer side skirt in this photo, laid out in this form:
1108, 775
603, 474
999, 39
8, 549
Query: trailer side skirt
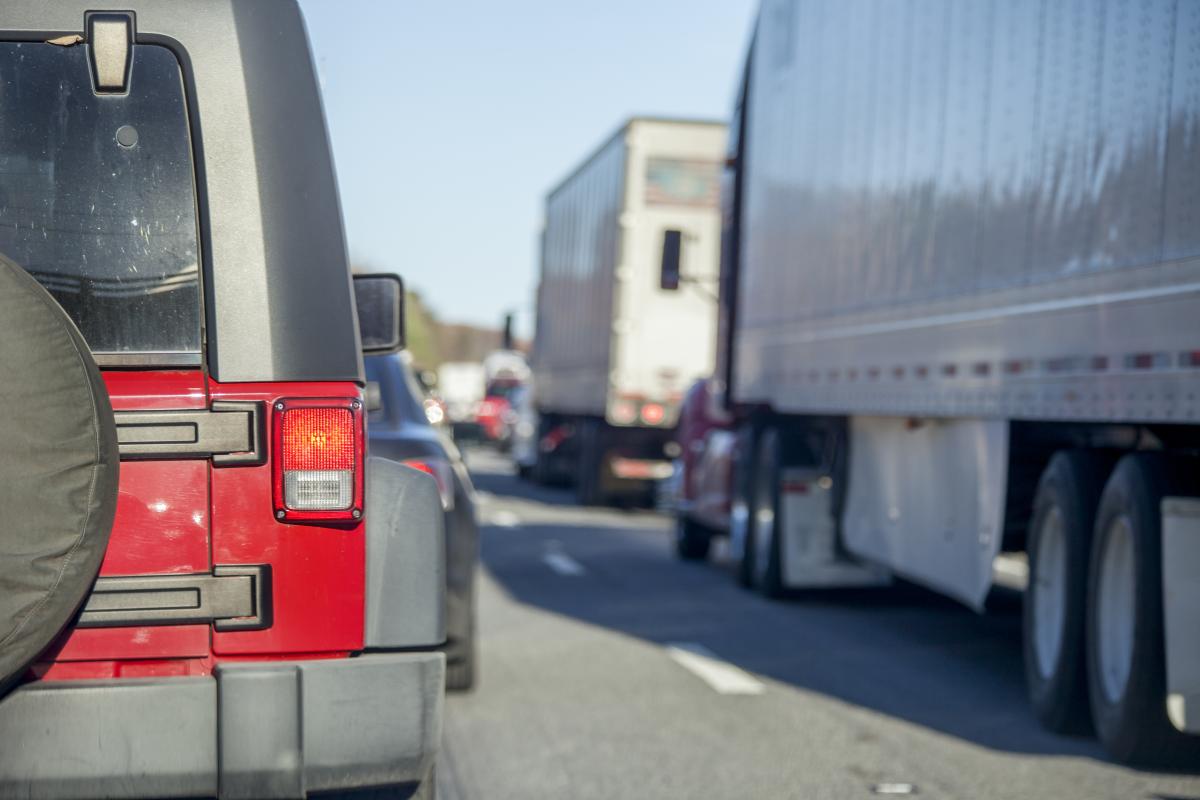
925, 499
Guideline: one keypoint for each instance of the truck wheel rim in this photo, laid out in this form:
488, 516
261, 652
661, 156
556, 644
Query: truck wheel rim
1049, 593
764, 531
1116, 601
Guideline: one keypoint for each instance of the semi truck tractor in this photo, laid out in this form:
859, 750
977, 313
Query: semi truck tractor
960, 317
617, 343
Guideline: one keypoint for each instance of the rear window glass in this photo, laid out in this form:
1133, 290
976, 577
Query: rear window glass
502, 388
97, 199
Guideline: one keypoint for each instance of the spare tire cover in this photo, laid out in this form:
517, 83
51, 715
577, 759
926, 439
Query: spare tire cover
58, 470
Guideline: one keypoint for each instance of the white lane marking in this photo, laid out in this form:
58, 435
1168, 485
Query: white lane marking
894, 788
505, 519
722, 676
562, 563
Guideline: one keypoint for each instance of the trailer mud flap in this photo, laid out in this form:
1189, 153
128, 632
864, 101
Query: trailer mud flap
1181, 599
811, 556
926, 500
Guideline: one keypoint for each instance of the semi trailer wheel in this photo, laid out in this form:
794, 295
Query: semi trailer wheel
692, 540
588, 490
740, 506
539, 475
766, 518
1060, 537
1125, 655
542, 473
58, 470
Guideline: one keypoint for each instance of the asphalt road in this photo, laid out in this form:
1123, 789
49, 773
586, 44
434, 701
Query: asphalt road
610, 669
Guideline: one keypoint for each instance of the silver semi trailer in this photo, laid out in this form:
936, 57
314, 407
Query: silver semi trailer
961, 317
615, 348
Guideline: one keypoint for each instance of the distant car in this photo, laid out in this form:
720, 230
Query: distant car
495, 415
400, 430
703, 478
461, 387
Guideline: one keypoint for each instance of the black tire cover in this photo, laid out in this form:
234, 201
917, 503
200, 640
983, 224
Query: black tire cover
58, 470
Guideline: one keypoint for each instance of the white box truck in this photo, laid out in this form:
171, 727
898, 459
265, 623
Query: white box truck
961, 316
461, 387
614, 349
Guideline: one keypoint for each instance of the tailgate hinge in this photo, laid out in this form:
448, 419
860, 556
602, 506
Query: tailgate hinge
232, 598
231, 433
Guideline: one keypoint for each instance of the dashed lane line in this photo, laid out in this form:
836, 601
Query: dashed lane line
563, 564
505, 519
722, 676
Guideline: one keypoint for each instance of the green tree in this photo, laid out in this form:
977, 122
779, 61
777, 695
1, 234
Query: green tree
421, 332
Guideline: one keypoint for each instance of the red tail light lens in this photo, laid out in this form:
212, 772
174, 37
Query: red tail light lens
653, 414
318, 460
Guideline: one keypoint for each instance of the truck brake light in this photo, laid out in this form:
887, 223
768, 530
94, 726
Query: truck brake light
653, 414
318, 460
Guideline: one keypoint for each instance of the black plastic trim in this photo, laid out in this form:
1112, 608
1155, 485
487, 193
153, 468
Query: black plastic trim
126, 55
232, 598
261, 592
140, 360
256, 452
231, 433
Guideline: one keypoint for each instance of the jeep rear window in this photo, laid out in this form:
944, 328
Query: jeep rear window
97, 199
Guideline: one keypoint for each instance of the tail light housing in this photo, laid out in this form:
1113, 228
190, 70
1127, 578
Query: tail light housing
318, 460
629, 409
653, 414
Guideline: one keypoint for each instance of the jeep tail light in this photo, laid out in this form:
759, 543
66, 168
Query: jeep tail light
318, 460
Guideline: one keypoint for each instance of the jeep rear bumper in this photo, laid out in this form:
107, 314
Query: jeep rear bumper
265, 730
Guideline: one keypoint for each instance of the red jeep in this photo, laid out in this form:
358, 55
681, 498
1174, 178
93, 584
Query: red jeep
206, 587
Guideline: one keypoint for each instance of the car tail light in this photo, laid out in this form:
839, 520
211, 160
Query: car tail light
318, 460
652, 414
624, 412
441, 471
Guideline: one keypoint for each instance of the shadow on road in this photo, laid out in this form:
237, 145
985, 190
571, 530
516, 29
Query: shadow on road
901, 651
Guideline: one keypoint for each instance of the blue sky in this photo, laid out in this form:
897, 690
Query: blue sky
451, 120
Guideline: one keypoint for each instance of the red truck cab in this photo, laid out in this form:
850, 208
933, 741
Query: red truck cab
706, 442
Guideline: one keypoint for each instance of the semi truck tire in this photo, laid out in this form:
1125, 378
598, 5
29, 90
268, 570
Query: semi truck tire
587, 477
540, 475
58, 470
1059, 547
765, 528
741, 505
692, 540
1125, 650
